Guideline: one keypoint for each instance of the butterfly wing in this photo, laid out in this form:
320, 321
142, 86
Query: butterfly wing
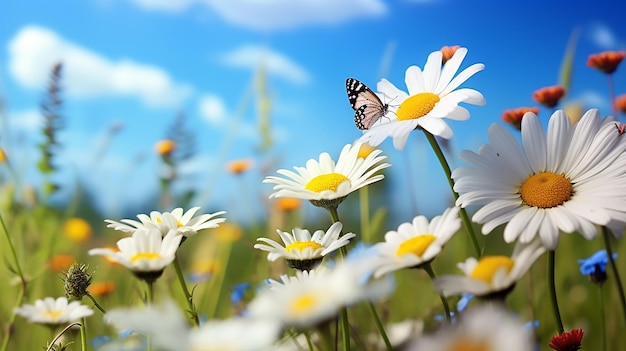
366, 104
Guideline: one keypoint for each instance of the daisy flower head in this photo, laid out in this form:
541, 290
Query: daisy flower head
326, 183
145, 253
183, 222
311, 299
569, 179
432, 95
168, 328
416, 243
488, 327
302, 250
53, 311
492, 275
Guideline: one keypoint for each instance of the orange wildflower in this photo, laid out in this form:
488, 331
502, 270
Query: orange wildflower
620, 103
164, 147
77, 229
287, 204
101, 288
239, 166
606, 61
549, 96
60, 263
514, 116
448, 52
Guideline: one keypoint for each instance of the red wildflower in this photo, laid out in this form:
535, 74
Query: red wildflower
567, 341
607, 61
549, 96
514, 116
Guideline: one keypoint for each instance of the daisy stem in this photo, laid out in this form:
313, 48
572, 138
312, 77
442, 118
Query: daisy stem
96, 304
345, 329
334, 216
618, 280
83, 336
448, 172
380, 326
150, 302
552, 288
307, 336
429, 269
188, 297
602, 316
365, 217
345, 325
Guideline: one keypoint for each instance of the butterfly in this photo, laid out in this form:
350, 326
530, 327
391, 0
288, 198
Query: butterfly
366, 104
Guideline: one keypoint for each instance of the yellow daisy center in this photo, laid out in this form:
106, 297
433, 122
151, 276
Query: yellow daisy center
303, 304
301, 245
145, 256
416, 245
328, 181
53, 314
417, 106
489, 265
546, 190
470, 345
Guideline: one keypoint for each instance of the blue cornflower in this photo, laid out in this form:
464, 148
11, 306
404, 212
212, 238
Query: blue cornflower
595, 266
464, 302
236, 297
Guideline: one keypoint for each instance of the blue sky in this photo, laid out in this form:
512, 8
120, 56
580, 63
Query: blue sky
138, 63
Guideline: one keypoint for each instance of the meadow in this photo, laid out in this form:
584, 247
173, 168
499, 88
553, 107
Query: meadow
215, 272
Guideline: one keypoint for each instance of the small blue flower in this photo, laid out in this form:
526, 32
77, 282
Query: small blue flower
236, 297
595, 266
598, 260
532, 325
464, 302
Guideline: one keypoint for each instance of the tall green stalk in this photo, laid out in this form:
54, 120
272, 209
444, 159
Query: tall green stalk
618, 280
21, 293
446, 168
188, 297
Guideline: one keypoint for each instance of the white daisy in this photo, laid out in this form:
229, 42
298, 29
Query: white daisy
300, 245
569, 180
53, 311
416, 243
431, 97
488, 327
167, 327
315, 298
183, 222
145, 253
491, 275
323, 180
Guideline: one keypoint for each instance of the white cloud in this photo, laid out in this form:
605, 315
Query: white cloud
593, 99
212, 108
34, 50
277, 14
602, 36
253, 57
25, 121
